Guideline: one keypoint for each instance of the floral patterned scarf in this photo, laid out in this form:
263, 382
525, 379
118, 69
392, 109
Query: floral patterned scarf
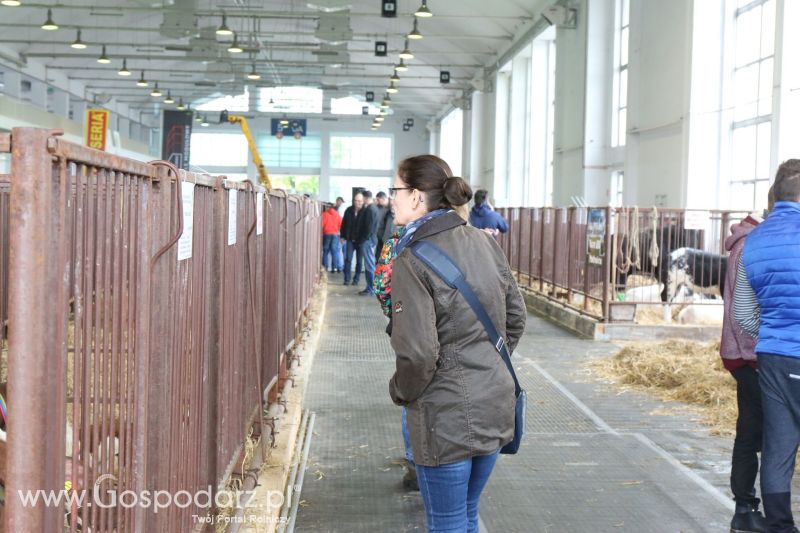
392, 247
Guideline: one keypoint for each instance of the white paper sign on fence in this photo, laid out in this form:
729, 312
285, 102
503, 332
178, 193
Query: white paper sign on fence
232, 197
259, 213
185, 242
696, 219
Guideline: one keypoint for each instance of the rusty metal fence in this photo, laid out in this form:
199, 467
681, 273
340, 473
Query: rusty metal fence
150, 314
637, 255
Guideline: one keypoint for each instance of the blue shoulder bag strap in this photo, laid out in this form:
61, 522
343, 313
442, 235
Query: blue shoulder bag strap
438, 261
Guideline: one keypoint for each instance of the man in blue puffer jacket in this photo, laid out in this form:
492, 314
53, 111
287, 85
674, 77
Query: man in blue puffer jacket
767, 305
483, 217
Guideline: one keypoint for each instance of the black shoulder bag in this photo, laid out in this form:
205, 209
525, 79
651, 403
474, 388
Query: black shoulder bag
438, 261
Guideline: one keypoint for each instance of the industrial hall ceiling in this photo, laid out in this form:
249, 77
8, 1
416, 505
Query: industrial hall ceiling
201, 49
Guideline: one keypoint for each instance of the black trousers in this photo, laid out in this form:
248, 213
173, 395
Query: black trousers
744, 464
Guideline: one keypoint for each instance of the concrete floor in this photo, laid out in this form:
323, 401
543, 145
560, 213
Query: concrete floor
593, 459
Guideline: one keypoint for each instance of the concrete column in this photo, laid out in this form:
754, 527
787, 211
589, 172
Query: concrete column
325, 168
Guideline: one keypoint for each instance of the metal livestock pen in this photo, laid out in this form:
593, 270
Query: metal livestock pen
150, 311
551, 251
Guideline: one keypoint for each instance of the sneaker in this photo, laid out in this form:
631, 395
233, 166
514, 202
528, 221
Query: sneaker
750, 521
347, 282
355, 283
364, 292
410, 477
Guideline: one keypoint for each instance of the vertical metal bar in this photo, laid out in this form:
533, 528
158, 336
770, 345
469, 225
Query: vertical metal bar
34, 336
606, 268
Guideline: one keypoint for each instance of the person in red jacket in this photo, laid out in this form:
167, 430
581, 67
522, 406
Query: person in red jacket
331, 224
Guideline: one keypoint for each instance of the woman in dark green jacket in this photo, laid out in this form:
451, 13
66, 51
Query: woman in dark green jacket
458, 392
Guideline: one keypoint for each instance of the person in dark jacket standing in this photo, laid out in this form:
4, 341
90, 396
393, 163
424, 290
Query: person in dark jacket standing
385, 222
366, 239
348, 238
767, 305
457, 390
482, 216
737, 349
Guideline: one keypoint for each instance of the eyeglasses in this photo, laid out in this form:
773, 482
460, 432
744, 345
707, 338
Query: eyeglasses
393, 190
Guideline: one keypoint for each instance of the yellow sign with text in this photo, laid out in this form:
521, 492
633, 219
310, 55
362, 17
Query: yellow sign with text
96, 128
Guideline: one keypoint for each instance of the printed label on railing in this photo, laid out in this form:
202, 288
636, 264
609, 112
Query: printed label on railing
696, 219
259, 213
232, 196
185, 242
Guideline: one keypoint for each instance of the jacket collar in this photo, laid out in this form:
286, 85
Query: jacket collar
438, 225
786, 207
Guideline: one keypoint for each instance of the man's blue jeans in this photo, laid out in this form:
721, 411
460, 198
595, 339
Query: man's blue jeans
779, 378
329, 249
367, 251
338, 259
451, 493
349, 250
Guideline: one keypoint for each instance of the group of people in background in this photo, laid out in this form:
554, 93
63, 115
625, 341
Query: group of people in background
368, 223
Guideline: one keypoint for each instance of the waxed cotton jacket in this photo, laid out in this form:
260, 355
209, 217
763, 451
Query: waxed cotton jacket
458, 391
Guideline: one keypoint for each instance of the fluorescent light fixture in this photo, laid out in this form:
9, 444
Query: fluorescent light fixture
142, 82
103, 57
11, 3
77, 43
223, 28
414, 34
124, 70
234, 48
391, 89
253, 75
180, 106
423, 10
394, 77
156, 92
401, 66
169, 99
49, 24
406, 53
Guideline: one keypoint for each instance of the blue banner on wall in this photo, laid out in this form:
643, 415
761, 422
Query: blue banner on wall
296, 127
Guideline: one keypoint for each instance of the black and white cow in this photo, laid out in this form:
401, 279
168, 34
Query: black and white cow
667, 238
697, 271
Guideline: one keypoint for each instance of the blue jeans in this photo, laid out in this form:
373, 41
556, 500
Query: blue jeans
367, 251
779, 378
406, 437
350, 248
451, 493
338, 259
329, 249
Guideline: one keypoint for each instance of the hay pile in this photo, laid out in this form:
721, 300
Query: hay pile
684, 371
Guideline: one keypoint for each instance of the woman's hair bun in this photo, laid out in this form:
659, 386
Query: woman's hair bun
457, 192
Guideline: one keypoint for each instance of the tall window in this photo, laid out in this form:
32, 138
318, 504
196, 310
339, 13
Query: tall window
616, 189
305, 152
751, 92
361, 152
350, 105
239, 103
289, 100
450, 143
620, 95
